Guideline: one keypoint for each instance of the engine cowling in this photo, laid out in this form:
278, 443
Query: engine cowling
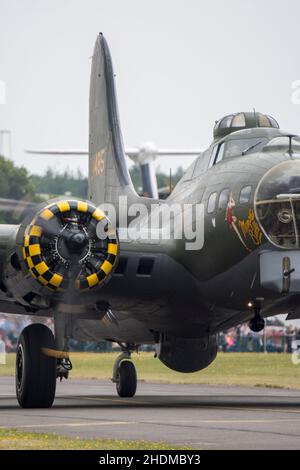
61, 247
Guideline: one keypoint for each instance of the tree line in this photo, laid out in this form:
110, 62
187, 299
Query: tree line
16, 183
75, 183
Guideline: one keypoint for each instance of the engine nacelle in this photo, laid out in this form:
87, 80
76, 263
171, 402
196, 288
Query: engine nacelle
61, 247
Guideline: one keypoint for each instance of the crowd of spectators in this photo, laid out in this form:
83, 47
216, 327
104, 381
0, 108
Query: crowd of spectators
278, 336
11, 327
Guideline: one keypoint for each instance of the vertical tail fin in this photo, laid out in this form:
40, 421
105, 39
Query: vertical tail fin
108, 174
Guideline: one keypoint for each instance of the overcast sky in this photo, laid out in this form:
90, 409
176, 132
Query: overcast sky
179, 64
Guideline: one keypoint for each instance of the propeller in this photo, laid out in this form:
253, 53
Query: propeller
61, 247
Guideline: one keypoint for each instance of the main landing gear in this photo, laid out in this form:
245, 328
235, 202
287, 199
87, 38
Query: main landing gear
124, 372
40, 360
35, 370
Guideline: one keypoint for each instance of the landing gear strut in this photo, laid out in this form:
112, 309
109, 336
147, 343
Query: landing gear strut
35, 370
63, 332
257, 323
124, 373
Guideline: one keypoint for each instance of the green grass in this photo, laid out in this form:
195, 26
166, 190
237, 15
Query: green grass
13, 439
248, 369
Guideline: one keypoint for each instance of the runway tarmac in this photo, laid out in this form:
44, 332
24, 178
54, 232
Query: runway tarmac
200, 416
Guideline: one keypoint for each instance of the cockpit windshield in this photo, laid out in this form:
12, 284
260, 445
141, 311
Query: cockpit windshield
238, 147
282, 144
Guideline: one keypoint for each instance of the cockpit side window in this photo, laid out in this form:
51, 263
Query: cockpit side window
220, 153
213, 156
224, 198
211, 203
245, 194
217, 154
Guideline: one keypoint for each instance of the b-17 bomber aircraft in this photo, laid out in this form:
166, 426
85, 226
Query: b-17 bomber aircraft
222, 249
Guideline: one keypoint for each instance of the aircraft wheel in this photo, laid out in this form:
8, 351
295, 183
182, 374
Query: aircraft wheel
35, 372
127, 379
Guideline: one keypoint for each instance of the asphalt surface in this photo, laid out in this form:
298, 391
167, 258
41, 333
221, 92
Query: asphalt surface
200, 416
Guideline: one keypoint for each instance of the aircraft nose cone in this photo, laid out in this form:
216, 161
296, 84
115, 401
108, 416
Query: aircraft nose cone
277, 204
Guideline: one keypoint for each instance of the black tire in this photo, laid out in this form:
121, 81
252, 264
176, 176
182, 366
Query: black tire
35, 372
127, 379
